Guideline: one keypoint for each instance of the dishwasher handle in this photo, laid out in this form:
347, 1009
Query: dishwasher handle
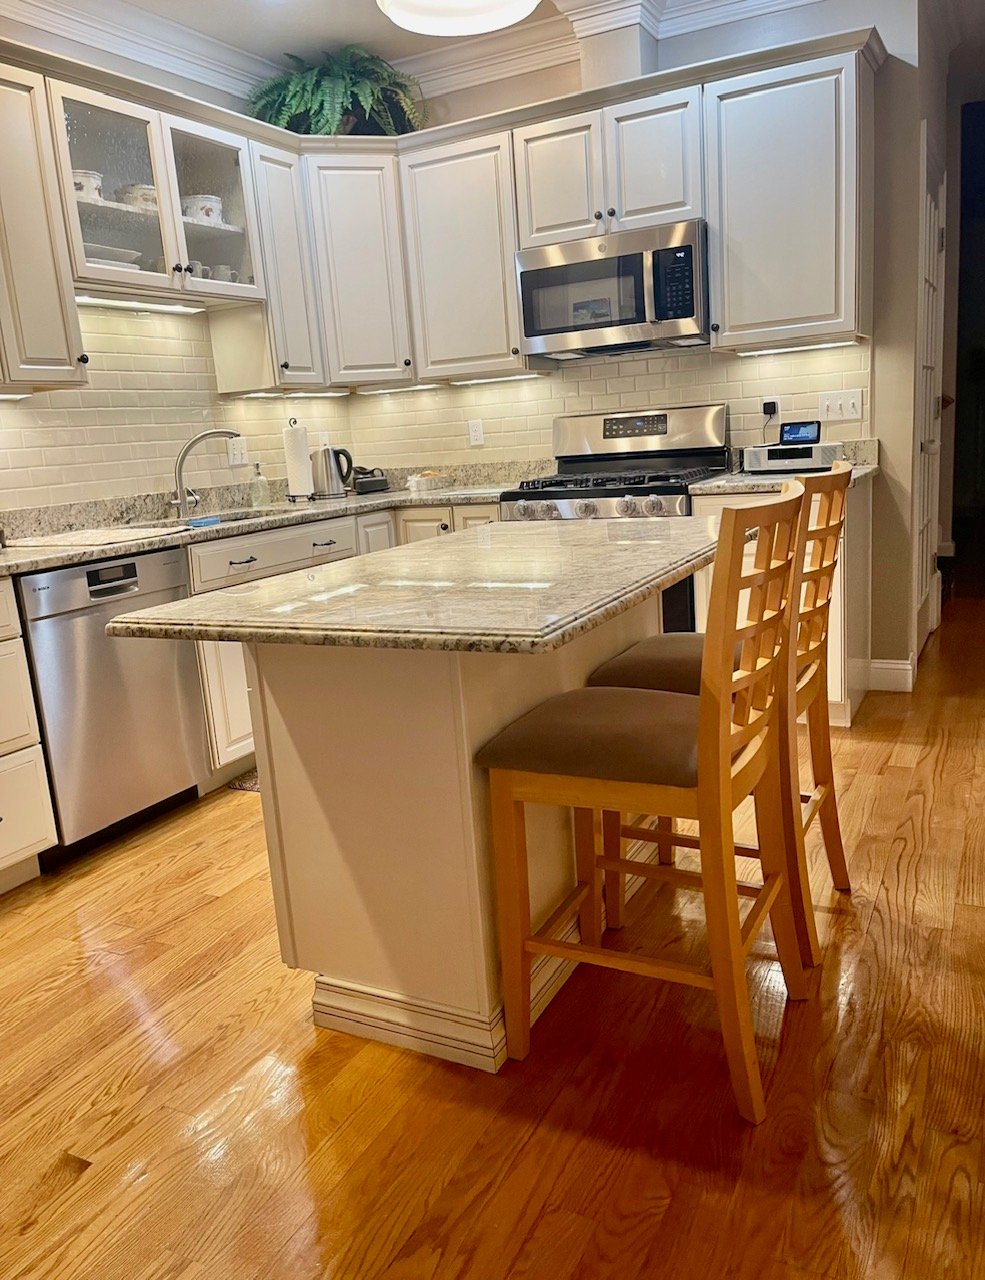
110, 589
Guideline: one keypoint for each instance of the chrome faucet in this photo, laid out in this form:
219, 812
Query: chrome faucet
182, 498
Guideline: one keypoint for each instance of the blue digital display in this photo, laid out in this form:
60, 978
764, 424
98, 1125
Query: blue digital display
800, 433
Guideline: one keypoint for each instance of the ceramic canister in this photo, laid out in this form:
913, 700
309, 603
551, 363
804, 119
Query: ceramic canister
202, 208
88, 184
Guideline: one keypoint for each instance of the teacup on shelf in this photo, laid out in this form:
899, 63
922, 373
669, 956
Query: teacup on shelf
202, 208
140, 195
199, 270
225, 272
88, 184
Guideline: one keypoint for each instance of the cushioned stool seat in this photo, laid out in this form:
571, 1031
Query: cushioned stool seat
623, 735
671, 662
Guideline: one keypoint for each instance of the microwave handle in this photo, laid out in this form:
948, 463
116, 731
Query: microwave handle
649, 294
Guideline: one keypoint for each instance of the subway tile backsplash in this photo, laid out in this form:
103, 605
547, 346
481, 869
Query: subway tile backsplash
153, 386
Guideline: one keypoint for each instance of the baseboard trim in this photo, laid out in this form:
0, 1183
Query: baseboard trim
19, 873
455, 1035
892, 676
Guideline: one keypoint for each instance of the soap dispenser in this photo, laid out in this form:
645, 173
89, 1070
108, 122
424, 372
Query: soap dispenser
259, 488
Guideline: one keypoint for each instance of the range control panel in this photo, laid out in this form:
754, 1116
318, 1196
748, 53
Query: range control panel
625, 428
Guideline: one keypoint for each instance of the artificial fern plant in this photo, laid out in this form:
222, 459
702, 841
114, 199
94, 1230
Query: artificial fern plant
349, 91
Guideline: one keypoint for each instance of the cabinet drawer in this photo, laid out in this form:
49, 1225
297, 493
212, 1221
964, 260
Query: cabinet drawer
9, 622
714, 504
260, 555
27, 824
18, 718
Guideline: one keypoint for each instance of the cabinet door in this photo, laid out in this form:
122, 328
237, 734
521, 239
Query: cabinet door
291, 303
356, 212
18, 718
117, 195
39, 321
559, 179
479, 513
653, 163
9, 621
212, 194
417, 523
376, 532
461, 240
783, 204
227, 701
27, 823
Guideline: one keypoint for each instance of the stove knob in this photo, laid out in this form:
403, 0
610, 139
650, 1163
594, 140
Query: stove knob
586, 508
547, 511
522, 510
654, 506
627, 506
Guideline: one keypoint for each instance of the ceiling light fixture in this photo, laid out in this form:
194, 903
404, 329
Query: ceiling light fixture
456, 17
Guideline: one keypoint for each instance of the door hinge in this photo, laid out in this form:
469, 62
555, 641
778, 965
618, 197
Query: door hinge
941, 240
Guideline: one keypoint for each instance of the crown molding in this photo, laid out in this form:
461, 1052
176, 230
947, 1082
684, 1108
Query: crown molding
501, 55
681, 17
594, 17
123, 30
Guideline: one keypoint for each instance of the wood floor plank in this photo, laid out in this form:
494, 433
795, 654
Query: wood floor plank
168, 1112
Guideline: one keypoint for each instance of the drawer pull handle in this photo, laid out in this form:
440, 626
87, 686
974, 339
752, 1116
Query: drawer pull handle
329, 543
249, 560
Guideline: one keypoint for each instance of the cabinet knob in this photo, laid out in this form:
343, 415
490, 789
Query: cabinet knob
611, 212
514, 351
407, 364
83, 358
598, 215
177, 269
715, 328
189, 268
285, 364
443, 527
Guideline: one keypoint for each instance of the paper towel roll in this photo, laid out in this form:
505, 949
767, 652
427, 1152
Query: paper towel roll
299, 481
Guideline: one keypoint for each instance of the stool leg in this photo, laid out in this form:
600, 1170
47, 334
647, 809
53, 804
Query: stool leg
590, 911
775, 856
615, 881
819, 732
513, 910
727, 961
665, 850
794, 848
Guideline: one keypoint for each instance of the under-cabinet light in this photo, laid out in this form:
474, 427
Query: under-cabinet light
509, 377
392, 391
125, 304
791, 351
12, 396
313, 395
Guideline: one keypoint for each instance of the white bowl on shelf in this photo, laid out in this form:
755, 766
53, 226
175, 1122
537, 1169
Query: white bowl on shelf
110, 254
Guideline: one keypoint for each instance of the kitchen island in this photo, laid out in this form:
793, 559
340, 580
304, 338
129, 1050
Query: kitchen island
373, 681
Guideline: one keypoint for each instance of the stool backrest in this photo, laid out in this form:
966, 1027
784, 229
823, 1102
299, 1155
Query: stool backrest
748, 616
822, 522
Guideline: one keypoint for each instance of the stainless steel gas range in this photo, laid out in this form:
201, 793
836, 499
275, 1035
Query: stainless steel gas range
628, 465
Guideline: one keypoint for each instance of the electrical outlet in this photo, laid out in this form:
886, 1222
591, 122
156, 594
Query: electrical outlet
771, 421
476, 434
237, 452
841, 406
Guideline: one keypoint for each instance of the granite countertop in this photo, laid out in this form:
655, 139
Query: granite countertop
743, 482
57, 550
501, 588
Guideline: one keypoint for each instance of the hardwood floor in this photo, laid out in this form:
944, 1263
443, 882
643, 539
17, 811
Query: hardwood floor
167, 1111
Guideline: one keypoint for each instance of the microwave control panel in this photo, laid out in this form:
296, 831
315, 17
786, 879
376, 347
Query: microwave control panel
673, 282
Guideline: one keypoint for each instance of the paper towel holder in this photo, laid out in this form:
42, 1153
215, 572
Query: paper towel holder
294, 497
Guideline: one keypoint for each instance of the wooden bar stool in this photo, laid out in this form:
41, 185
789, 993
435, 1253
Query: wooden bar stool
674, 662
605, 751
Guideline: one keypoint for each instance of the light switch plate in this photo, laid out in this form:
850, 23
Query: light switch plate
237, 452
841, 406
476, 434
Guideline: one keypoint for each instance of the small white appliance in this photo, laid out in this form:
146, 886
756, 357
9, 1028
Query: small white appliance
759, 458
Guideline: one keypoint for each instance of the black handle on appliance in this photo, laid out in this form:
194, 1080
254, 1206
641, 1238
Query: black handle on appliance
329, 543
344, 456
249, 560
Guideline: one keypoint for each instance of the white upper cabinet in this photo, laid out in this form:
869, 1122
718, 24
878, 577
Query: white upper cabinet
155, 202
355, 210
785, 204
560, 179
291, 297
40, 340
627, 167
461, 240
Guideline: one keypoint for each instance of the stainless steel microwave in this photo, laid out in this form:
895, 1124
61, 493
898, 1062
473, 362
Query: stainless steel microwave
607, 294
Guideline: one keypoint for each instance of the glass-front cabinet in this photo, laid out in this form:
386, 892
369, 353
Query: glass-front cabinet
154, 203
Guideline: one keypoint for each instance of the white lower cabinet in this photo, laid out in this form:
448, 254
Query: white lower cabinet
418, 523
27, 822
18, 717
375, 531
475, 514
227, 700
9, 624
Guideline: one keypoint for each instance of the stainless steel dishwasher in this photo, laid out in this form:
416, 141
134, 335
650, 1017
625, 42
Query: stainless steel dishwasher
123, 720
